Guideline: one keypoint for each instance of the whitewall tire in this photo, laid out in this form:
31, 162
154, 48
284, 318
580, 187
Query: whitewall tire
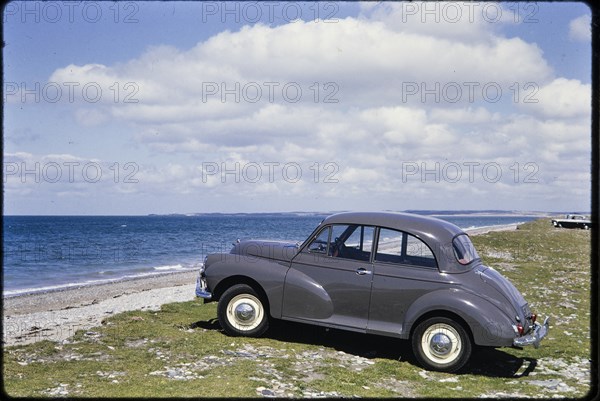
441, 344
241, 312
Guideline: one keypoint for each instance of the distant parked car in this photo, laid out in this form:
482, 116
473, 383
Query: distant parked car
573, 221
393, 274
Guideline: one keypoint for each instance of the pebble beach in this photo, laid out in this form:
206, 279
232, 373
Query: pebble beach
57, 315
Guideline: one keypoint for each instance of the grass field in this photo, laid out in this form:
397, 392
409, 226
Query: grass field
180, 350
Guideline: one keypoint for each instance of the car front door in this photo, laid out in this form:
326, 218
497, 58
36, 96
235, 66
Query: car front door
329, 280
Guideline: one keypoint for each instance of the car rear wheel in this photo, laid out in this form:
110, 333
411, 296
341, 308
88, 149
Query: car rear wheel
441, 344
241, 312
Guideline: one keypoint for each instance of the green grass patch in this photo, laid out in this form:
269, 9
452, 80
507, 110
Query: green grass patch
180, 350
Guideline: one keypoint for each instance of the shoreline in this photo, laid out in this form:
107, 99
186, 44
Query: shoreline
489, 229
50, 299
98, 283
58, 313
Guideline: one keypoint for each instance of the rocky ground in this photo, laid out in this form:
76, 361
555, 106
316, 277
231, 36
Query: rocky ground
307, 367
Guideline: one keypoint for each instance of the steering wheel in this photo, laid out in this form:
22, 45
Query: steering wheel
338, 246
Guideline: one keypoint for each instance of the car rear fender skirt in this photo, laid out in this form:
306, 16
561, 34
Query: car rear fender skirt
487, 324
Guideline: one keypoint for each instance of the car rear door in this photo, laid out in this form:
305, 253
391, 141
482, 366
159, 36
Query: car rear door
404, 269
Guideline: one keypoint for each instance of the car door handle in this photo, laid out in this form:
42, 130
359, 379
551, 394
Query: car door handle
361, 271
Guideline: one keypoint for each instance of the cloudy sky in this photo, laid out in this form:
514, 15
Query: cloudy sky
136, 108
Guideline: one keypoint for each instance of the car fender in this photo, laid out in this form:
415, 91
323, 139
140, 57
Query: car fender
488, 325
266, 274
304, 296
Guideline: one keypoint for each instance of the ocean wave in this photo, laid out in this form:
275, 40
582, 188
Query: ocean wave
170, 267
159, 270
56, 287
107, 272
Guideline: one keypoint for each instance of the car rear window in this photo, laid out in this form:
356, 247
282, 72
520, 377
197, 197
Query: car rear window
464, 250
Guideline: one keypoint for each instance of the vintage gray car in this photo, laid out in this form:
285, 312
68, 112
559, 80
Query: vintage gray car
392, 274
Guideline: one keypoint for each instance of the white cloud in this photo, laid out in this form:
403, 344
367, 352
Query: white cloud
364, 60
382, 103
580, 28
202, 99
467, 115
459, 21
561, 98
89, 117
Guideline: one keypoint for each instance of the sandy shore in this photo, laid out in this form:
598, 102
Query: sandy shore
57, 315
485, 230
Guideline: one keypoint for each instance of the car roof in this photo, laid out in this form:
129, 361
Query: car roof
427, 228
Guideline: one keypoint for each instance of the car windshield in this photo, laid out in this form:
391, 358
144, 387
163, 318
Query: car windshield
464, 250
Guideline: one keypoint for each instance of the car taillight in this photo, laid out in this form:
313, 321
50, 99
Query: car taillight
520, 329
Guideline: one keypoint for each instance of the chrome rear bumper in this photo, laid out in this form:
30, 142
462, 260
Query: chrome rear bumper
539, 332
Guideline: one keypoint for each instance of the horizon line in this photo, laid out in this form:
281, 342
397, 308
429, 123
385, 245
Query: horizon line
416, 211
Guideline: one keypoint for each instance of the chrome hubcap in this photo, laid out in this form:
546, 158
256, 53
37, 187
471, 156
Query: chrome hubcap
440, 344
244, 312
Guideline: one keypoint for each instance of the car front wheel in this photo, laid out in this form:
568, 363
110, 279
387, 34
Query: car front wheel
441, 344
241, 312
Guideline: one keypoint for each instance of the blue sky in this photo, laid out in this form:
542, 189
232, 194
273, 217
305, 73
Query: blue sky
182, 107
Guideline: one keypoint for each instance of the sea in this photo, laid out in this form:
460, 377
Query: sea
42, 253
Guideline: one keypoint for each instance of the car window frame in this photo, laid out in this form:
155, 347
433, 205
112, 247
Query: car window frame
362, 240
316, 233
403, 248
319, 230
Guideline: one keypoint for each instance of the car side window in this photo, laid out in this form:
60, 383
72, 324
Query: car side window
389, 246
398, 247
320, 243
351, 241
417, 248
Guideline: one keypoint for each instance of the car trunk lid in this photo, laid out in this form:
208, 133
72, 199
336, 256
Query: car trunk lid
503, 287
